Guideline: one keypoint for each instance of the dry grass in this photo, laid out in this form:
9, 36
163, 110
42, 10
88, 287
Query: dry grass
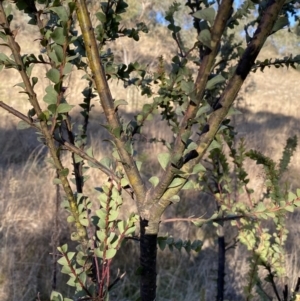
270, 106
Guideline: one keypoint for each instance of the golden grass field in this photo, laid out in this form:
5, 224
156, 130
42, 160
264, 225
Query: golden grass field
270, 107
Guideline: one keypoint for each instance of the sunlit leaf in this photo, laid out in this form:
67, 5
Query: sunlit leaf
290, 208
124, 182
56, 296
64, 108
63, 261
56, 181
198, 168
163, 159
175, 199
214, 144
113, 214
154, 181
177, 182
291, 196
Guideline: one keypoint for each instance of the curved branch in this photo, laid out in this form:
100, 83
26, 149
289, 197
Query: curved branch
106, 99
69, 146
243, 69
207, 63
226, 100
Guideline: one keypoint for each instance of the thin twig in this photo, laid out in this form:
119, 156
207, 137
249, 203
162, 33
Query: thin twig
68, 145
55, 236
188, 219
119, 277
271, 278
19, 115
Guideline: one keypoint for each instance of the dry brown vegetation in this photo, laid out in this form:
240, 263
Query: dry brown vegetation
270, 114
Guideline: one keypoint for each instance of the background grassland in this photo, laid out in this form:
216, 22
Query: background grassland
30, 226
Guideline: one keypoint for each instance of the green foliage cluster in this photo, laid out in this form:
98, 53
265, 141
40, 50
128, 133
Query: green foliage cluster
197, 110
265, 242
187, 245
88, 267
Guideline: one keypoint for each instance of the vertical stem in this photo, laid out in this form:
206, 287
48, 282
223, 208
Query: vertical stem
148, 252
221, 263
285, 293
55, 236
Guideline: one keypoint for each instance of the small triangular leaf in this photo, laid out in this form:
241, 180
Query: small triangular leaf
214, 144
198, 168
163, 159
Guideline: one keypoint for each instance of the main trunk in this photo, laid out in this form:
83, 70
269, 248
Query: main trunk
148, 250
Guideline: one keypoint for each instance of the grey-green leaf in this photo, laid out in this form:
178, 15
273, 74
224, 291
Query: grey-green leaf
22, 125
59, 53
280, 23
218, 79
61, 12
207, 14
51, 96
34, 81
53, 75
120, 102
205, 38
68, 68
21, 84
58, 36
64, 108
107, 162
